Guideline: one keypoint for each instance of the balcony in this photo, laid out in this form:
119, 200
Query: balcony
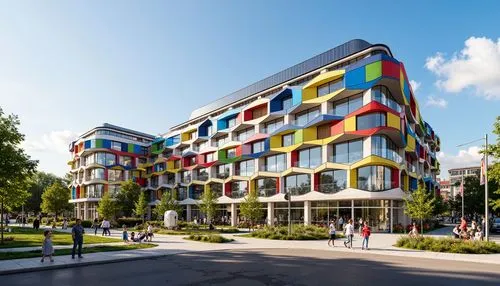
197, 195
182, 194
246, 173
267, 192
238, 194
202, 178
224, 175
186, 180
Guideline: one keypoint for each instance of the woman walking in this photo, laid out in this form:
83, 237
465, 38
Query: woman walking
366, 232
349, 233
95, 226
47, 248
332, 231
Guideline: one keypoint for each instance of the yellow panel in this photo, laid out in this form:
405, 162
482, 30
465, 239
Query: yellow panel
393, 121
287, 149
330, 165
324, 78
185, 136
310, 134
350, 124
410, 146
406, 182
275, 141
324, 98
375, 160
353, 174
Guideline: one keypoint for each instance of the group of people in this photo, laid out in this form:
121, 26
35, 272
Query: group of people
141, 236
348, 229
77, 232
461, 231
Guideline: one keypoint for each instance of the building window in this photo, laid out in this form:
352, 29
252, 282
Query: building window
348, 105
330, 87
209, 157
384, 147
114, 175
348, 152
309, 158
286, 102
126, 161
266, 187
231, 153
245, 168
245, 134
223, 171
222, 140
95, 174
383, 95
374, 178
239, 189
369, 121
231, 122
324, 131
276, 163
202, 174
272, 126
332, 181
259, 112
298, 184
116, 145
306, 116
287, 140
258, 147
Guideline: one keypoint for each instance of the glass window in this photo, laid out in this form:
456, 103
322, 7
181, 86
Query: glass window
231, 122
330, 87
348, 105
266, 187
222, 140
309, 158
298, 184
369, 121
383, 95
126, 161
223, 171
333, 181
272, 126
276, 163
305, 116
231, 153
374, 178
286, 102
116, 145
384, 147
258, 147
355, 150
245, 168
348, 152
239, 189
209, 157
287, 140
114, 175
245, 134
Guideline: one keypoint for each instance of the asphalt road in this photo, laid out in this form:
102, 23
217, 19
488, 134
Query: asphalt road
268, 267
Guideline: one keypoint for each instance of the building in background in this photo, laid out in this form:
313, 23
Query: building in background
455, 177
341, 132
101, 159
445, 189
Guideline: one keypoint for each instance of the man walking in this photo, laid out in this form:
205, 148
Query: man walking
105, 227
77, 233
349, 233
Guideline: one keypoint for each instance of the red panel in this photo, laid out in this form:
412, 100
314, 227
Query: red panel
76, 149
371, 107
106, 174
395, 178
238, 151
337, 128
78, 192
227, 189
247, 115
174, 157
295, 157
390, 69
200, 159
316, 181
277, 185
238, 118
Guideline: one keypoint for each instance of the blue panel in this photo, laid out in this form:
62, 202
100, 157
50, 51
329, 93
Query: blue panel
137, 149
296, 96
124, 147
87, 144
413, 183
221, 124
364, 62
406, 90
355, 77
106, 144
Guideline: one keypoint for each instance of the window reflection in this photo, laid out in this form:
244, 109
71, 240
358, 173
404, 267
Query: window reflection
375, 178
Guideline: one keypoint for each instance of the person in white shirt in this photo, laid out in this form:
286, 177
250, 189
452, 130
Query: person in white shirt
349, 233
150, 232
478, 235
105, 227
331, 232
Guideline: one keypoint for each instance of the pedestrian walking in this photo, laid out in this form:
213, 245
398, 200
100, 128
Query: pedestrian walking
150, 232
349, 233
341, 223
65, 223
331, 232
105, 227
77, 234
366, 232
47, 248
95, 226
125, 234
36, 223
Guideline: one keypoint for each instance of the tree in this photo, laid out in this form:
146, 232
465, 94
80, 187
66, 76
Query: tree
474, 195
141, 206
251, 208
440, 206
494, 167
208, 204
16, 167
167, 202
55, 199
107, 207
40, 181
420, 205
127, 196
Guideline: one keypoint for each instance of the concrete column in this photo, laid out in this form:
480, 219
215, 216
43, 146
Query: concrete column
234, 221
270, 213
392, 214
78, 210
307, 212
85, 215
188, 212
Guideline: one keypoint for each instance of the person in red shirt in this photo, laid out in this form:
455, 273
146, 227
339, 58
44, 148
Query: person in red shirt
463, 224
365, 232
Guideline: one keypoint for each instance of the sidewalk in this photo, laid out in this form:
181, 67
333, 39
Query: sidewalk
380, 243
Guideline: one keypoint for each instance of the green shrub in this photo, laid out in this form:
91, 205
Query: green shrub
128, 221
211, 238
449, 245
228, 230
299, 232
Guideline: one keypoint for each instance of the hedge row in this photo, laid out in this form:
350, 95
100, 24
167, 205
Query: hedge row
448, 245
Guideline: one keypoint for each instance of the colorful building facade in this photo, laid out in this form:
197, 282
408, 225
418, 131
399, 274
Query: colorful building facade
341, 132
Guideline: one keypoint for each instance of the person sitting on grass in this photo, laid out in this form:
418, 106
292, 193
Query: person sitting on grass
456, 231
132, 236
47, 248
414, 231
479, 234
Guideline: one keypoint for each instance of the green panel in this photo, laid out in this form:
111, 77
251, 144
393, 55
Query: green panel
299, 136
130, 148
222, 155
373, 71
98, 143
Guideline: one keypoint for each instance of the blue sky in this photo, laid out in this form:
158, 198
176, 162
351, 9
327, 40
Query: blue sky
68, 66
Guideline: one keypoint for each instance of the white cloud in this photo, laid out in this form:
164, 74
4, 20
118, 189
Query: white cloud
476, 66
415, 85
465, 158
55, 141
437, 102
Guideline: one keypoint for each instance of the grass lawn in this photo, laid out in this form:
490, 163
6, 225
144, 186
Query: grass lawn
28, 237
85, 250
